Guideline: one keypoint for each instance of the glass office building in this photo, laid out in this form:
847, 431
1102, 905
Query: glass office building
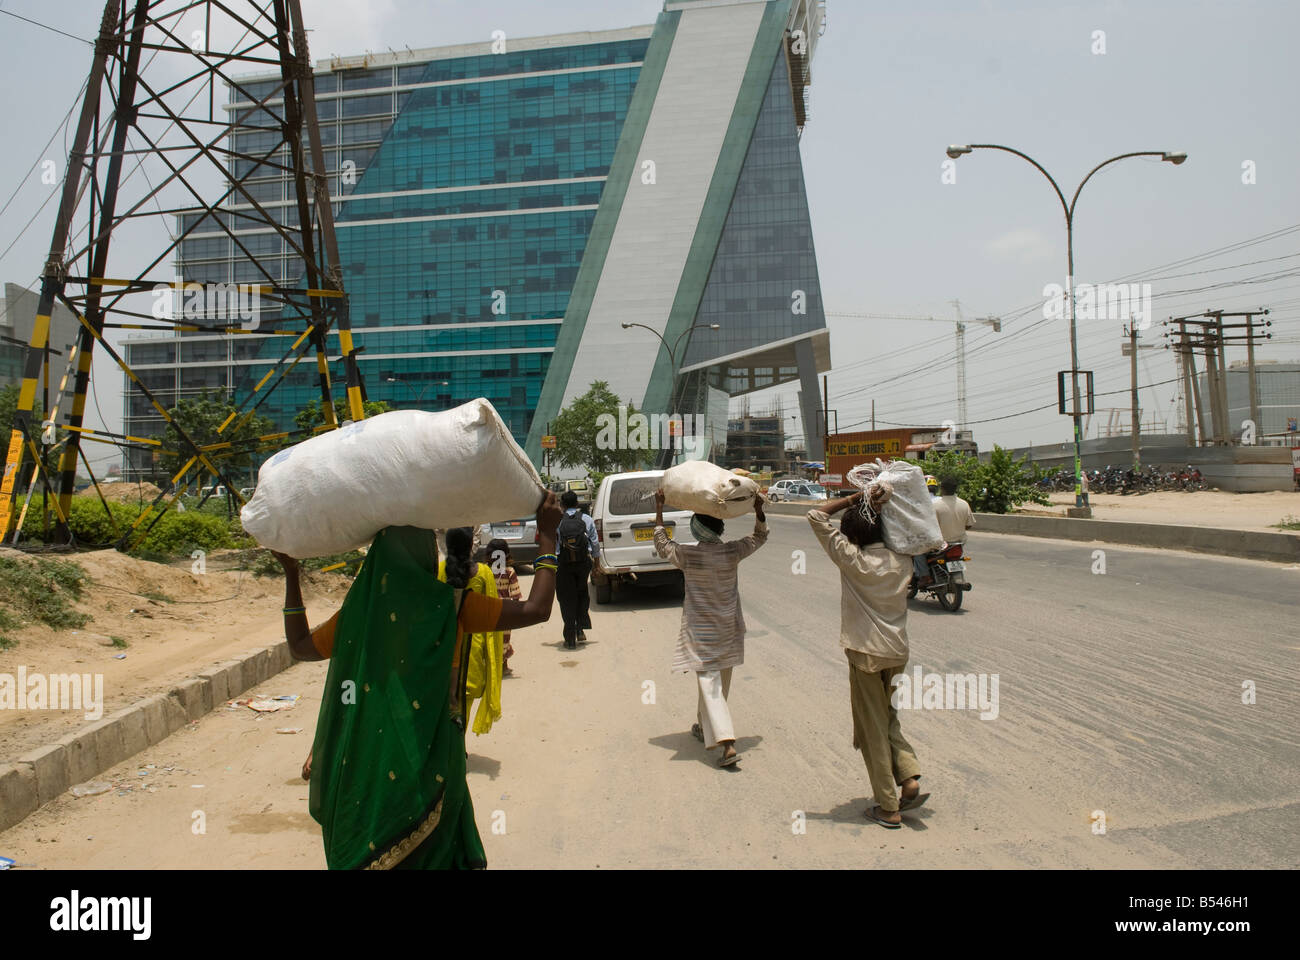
469, 189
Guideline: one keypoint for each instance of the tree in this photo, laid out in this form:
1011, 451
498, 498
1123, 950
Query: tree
8, 411
583, 439
310, 417
996, 486
1004, 484
9, 407
200, 418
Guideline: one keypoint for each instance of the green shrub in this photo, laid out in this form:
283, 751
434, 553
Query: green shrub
40, 589
179, 534
89, 523
173, 535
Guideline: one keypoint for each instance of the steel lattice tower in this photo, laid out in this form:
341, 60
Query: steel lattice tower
150, 144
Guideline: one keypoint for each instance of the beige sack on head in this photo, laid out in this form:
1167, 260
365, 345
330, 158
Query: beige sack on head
703, 487
335, 491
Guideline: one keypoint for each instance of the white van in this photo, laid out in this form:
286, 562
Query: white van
624, 512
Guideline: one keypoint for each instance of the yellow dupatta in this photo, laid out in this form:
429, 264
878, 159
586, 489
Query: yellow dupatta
486, 656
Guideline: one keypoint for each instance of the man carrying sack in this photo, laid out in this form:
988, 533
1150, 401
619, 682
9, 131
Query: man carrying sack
576, 545
712, 638
873, 633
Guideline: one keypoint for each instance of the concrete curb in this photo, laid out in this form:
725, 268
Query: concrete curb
1280, 547
1249, 544
40, 775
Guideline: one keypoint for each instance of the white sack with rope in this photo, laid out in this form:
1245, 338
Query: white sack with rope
703, 487
335, 491
907, 519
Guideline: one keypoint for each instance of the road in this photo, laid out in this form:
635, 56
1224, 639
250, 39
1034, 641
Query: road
1118, 692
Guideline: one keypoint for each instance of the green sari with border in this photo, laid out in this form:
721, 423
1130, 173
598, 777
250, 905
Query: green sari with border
388, 761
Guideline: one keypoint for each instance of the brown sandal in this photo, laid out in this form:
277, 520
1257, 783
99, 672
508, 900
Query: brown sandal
873, 814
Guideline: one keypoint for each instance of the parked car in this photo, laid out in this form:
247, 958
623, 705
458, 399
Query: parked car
520, 536
624, 511
805, 491
779, 490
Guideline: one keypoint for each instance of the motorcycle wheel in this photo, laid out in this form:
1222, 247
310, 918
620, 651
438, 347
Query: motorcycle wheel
949, 596
911, 588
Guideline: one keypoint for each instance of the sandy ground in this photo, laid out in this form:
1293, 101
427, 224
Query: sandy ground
204, 619
1119, 693
1203, 508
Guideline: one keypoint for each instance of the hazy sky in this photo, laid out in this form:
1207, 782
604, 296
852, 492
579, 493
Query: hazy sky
893, 84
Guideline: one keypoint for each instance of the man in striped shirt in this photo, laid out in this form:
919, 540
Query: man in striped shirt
712, 638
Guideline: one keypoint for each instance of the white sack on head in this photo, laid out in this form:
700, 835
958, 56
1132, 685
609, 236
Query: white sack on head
703, 487
335, 491
908, 521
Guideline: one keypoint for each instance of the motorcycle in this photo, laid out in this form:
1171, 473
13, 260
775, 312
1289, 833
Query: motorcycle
947, 569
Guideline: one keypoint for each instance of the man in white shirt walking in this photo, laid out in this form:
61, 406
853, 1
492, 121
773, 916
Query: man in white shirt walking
711, 641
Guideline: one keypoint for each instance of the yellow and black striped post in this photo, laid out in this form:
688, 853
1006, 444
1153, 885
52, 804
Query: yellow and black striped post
26, 402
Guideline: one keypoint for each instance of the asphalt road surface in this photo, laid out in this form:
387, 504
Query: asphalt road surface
1120, 703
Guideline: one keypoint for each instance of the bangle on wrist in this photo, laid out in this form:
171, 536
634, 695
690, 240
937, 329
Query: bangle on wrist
292, 610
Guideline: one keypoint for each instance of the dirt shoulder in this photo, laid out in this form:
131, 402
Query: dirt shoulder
1203, 508
174, 623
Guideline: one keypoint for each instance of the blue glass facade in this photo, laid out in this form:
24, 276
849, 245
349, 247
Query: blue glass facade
463, 207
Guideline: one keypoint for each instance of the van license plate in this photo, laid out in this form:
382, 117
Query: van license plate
649, 533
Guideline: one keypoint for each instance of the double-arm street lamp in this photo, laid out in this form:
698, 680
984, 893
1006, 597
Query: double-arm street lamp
419, 397
956, 150
672, 351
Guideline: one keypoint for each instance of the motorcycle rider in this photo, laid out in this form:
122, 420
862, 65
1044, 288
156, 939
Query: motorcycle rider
954, 513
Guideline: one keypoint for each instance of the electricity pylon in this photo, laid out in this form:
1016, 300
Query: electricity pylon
152, 103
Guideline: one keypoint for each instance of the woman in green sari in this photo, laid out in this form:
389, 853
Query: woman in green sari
388, 761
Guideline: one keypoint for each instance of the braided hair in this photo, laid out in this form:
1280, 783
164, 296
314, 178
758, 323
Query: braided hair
460, 563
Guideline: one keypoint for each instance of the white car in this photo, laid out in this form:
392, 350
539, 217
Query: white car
624, 512
780, 490
805, 491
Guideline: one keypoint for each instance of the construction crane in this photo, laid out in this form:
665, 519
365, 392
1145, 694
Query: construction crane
994, 322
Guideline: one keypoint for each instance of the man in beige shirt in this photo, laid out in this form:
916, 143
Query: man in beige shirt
873, 633
954, 513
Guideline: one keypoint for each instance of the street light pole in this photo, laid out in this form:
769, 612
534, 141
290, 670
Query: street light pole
672, 351
956, 150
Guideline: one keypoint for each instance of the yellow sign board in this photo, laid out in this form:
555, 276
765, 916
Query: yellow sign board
883, 448
548, 443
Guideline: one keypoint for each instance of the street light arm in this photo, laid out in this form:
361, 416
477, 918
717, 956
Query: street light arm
1122, 156
1065, 207
678, 342
651, 329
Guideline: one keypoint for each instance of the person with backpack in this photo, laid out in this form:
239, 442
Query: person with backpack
576, 546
